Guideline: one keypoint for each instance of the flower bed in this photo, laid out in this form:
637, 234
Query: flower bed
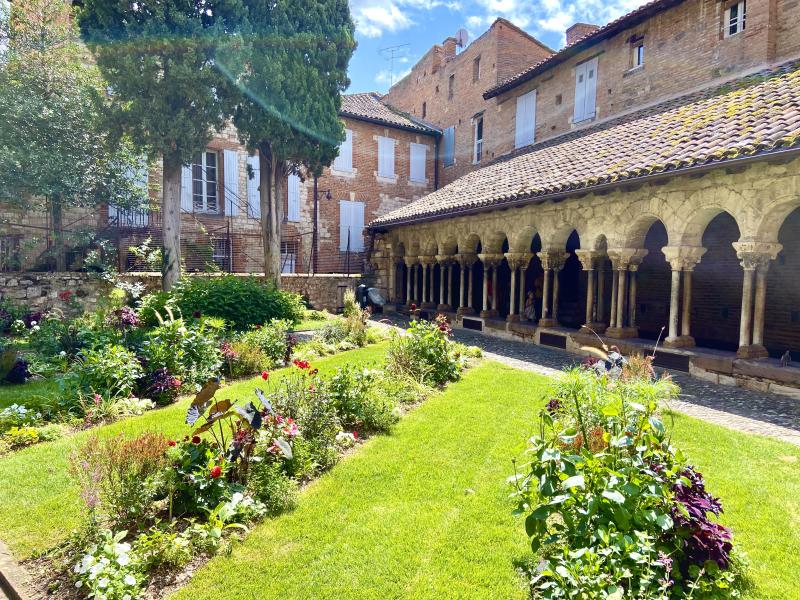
612, 509
157, 505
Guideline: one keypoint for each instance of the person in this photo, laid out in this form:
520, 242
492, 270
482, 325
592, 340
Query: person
530, 307
538, 293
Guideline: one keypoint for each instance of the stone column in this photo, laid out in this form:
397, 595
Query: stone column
612, 319
427, 281
451, 275
444, 268
512, 309
755, 258
552, 261
672, 335
469, 289
589, 259
490, 262
626, 262
411, 271
554, 302
545, 320
600, 312
682, 260
523, 297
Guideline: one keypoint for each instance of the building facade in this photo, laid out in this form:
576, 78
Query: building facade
646, 186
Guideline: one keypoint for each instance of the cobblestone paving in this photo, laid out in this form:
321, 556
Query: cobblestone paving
744, 410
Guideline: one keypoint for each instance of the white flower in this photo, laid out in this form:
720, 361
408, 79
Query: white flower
127, 597
36, 328
122, 548
123, 560
33, 323
78, 584
129, 580
102, 583
62, 353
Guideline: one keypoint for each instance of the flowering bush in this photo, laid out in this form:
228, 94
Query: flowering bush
426, 353
612, 509
189, 352
108, 569
110, 371
161, 386
124, 318
354, 394
272, 340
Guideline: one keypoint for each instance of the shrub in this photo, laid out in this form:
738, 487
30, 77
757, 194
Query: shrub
271, 486
612, 507
160, 386
17, 415
163, 547
152, 308
271, 339
425, 353
110, 371
19, 373
195, 485
353, 391
243, 358
188, 352
241, 301
109, 570
119, 477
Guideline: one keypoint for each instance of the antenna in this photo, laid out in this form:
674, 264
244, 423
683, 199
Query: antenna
389, 53
462, 37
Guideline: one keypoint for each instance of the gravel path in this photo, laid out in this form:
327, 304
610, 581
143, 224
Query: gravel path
737, 408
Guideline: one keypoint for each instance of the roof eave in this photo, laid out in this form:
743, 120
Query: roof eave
415, 129
556, 196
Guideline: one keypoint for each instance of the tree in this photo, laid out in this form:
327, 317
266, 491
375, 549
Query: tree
54, 150
159, 57
291, 95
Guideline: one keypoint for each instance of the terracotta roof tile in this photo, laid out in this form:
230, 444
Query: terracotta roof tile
369, 106
757, 114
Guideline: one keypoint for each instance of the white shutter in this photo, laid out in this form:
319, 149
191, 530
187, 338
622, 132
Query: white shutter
591, 88
385, 157
344, 161
186, 189
253, 200
357, 227
344, 223
293, 204
580, 92
230, 163
417, 162
525, 131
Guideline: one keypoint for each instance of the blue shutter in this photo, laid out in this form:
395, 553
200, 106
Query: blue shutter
293, 204
231, 187
253, 200
449, 146
186, 189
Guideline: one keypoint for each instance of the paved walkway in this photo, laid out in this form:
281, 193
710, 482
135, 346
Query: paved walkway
744, 410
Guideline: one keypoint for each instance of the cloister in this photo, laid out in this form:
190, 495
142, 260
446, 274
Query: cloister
710, 260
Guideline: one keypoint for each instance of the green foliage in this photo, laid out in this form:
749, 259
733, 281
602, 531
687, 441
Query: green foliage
152, 307
109, 569
189, 352
358, 403
109, 371
242, 301
269, 484
425, 353
271, 339
245, 358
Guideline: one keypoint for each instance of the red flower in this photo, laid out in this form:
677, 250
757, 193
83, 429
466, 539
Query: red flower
413, 307
264, 375
216, 472
172, 443
196, 439
66, 295
355, 435
301, 364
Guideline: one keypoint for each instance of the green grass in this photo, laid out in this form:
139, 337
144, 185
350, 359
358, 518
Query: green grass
39, 504
309, 324
30, 394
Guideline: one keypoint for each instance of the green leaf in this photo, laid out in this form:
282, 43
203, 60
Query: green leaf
573, 482
664, 521
614, 496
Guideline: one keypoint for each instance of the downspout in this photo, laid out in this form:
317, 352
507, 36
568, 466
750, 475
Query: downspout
314, 231
436, 163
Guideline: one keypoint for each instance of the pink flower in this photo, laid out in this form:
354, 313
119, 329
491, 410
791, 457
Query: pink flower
355, 435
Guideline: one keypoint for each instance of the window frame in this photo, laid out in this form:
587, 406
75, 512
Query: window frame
476, 69
423, 149
477, 145
451, 86
223, 261
346, 144
638, 54
389, 143
740, 19
356, 242
585, 66
205, 196
452, 154
519, 142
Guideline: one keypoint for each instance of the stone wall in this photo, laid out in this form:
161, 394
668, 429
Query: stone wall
45, 291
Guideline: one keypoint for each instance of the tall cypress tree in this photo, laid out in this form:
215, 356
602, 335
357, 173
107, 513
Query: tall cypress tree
298, 55
159, 57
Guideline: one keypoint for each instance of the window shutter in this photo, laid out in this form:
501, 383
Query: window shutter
293, 204
417, 162
186, 189
344, 224
525, 131
344, 161
231, 187
253, 200
449, 145
580, 92
591, 88
385, 157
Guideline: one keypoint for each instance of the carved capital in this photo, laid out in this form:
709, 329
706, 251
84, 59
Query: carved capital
756, 255
553, 259
427, 261
518, 260
588, 258
627, 258
410, 261
466, 259
490, 260
683, 258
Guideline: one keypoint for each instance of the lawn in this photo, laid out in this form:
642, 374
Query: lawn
309, 324
30, 394
46, 511
423, 513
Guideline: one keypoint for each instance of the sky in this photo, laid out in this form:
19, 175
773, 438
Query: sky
416, 25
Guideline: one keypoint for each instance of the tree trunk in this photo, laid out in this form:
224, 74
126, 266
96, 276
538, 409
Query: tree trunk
57, 215
171, 223
272, 172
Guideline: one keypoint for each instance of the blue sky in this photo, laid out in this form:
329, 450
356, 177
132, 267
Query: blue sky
421, 23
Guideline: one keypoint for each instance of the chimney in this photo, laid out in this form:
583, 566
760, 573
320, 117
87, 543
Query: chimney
578, 31
449, 48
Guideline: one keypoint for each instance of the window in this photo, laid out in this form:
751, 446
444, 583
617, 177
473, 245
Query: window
204, 183
293, 203
253, 182
449, 146
351, 226
638, 54
585, 90
417, 162
735, 18
478, 148
288, 256
525, 124
385, 157
132, 217
451, 84
9, 254
344, 161
424, 109
221, 254
476, 69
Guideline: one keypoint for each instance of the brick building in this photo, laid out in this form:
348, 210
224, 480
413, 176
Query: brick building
644, 179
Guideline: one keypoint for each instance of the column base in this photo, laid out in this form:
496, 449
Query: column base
444, 308
752, 351
465, 310
593, 327
682, 341
487, 314
513, 318
428, 305
547, 322
622, 332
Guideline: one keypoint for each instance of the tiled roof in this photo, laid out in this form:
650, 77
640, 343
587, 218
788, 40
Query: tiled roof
369, 106
758, 114
607, 30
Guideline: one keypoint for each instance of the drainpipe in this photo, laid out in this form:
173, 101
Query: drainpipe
436, 163
314, 228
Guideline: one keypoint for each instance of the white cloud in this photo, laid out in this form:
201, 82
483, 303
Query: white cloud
374, 17
384, 77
